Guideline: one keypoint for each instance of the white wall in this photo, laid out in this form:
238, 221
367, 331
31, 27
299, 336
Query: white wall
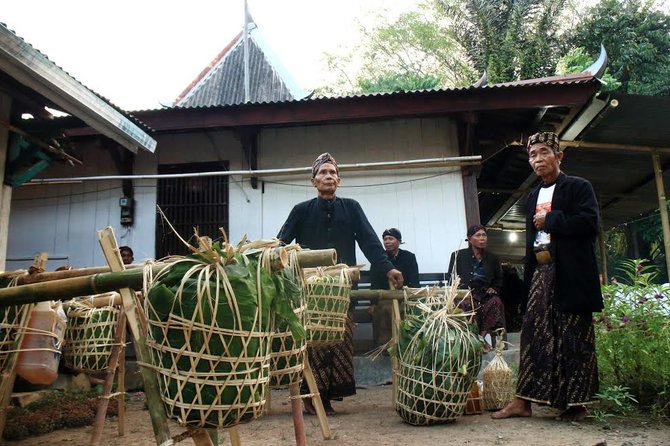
425, 204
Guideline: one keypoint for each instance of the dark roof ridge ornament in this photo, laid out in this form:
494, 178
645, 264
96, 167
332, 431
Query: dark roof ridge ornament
482, 82
597, 69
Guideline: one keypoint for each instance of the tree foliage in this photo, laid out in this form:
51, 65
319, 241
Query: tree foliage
510, 39
637, 39
577, 60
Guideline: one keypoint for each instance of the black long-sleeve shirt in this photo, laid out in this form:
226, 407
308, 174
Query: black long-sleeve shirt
339, 224
405, 262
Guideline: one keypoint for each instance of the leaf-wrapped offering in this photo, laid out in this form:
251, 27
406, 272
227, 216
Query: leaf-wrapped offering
211, 317
498, 381
89, 337
328, 296
286, 358
439, 359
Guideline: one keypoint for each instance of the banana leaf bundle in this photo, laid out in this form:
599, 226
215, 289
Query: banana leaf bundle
328, 298
89, 336
286, 358
211, 316
439, 359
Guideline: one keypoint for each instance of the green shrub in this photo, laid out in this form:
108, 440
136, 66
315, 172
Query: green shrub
633, 336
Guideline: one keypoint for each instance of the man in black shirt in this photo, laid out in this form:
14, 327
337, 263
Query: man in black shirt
329, 221
405, 262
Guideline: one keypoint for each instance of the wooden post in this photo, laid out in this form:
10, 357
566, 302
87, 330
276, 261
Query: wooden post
395, 327
103, 402
603, 253
296, 411
308, 375
151, 390
201, 437
234, 433
121, 383
663, 208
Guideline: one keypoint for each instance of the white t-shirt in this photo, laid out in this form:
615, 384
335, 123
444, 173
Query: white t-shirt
544, 203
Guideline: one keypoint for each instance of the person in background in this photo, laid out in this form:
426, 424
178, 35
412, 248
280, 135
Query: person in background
405, 262
329, 221
126, 255
511, 295
480, 271
558, 365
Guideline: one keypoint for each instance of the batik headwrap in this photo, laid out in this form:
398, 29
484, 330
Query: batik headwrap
324, 158
548, 138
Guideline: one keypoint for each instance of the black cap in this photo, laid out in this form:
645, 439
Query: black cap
393, 232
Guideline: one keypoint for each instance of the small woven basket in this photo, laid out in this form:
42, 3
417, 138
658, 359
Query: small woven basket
328, 293
89, 337
287, 356
498, 381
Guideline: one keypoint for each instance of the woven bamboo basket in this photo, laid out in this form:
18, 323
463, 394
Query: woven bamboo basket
328, 293
499, 389
286, 358
210, 323
89, 337
12, 319
439, 359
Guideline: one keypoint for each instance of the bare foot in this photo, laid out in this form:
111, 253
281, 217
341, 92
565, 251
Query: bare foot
308, 407
574, 413
517, 408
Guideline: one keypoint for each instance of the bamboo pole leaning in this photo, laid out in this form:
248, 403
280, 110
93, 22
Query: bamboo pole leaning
112, 281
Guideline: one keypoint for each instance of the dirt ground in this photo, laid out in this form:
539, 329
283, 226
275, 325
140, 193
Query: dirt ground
369, 419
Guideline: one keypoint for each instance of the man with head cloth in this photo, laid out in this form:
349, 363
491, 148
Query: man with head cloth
329, 221
557, 364
405, 262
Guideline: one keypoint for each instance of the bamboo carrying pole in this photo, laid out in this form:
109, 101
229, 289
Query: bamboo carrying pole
112, 281
395, 294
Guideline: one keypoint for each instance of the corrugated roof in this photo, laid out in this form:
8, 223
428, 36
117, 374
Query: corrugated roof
221, 83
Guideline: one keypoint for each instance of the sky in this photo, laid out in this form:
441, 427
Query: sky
141, 54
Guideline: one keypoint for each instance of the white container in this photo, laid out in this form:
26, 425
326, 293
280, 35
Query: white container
42, 344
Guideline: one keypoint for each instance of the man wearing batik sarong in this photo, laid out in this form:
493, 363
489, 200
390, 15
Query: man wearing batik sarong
558, 360
326, 222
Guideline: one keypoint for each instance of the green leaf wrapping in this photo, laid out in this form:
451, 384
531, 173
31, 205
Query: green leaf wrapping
210, 336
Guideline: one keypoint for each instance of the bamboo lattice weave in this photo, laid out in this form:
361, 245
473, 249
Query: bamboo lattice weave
89, 337
328, 298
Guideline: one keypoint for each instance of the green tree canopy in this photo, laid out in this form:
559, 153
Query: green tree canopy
636, 36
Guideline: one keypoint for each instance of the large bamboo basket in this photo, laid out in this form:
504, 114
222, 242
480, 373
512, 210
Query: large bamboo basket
211, 348
286, 358
328, 293
89, 337
437, 367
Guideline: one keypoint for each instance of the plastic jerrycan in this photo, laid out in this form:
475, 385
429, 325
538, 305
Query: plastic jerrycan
42, 344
